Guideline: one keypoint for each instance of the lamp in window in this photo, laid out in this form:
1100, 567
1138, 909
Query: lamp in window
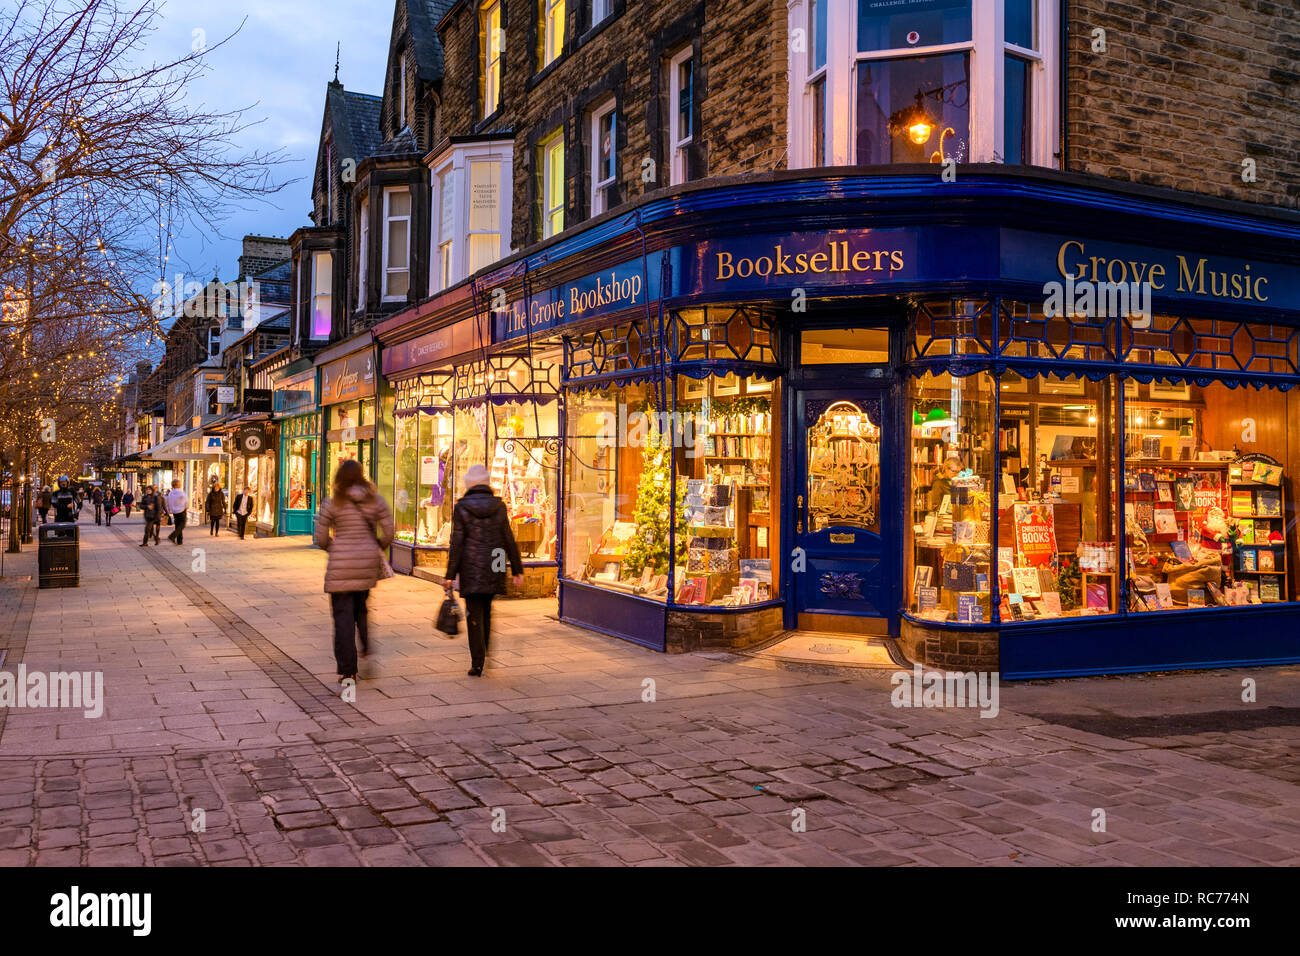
913, 121
938, 418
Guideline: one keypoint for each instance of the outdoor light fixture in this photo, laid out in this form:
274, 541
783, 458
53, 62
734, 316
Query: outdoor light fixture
913, 121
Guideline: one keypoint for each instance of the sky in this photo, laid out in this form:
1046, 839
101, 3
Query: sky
278, 65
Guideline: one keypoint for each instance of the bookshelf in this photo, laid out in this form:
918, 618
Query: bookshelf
1258, 507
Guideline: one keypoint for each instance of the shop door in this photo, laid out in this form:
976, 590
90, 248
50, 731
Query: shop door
845, 516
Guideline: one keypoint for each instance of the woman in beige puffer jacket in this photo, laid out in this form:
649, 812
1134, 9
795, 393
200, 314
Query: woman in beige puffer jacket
362, 529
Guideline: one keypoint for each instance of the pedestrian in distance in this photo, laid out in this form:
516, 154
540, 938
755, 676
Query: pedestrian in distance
151, 509
110, 508
355, 526
117, 496
177, 502
216, 508
128, 500
97, 499
243, 507
43, 504
481, 543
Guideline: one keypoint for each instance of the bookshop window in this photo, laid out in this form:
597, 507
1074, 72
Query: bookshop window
1205, 496
843, 346
266, 489
525, 472
727, 472
951, 487
617, 494
1057, 554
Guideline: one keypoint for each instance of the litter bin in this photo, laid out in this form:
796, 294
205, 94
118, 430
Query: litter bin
59, 555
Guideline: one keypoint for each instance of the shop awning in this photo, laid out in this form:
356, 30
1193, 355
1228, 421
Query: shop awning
184, 447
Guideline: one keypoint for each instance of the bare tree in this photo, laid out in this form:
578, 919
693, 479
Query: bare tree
102, 156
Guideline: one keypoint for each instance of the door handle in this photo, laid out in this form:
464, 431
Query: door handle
798, 528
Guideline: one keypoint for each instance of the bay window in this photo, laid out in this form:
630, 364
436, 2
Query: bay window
604, 150
322, 285
397, 243
469, 229
959, 80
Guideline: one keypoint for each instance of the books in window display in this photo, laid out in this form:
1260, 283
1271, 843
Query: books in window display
1270, 588
1268, 501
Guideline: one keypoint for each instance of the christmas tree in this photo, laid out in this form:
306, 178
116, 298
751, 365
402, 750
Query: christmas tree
650, 546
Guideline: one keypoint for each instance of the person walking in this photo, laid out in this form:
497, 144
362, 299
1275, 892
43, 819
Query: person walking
151, 508
243, 507
481, 541
216, 508
117, 496
362, 528
110, 508
97, 499
128, 500
44, 503
177, 501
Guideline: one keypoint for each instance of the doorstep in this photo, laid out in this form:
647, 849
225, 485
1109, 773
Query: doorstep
826, 650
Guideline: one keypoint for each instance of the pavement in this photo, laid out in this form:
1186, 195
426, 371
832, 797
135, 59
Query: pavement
225, 740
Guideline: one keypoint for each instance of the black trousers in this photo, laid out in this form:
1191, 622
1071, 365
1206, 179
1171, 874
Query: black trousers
478, 621
349, 608
99, 513
45, 515
178, 533
108, 516
215, 521
242, 521
150, 531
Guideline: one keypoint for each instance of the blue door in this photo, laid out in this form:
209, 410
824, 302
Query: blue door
846, 512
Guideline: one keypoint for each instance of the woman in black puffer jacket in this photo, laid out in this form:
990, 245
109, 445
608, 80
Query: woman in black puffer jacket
481, 546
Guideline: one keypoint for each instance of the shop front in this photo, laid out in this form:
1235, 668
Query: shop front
842, 406
287, 476
458, 403
349, 403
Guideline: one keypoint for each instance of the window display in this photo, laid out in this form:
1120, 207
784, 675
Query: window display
266, 489
424, 477
844, 470
349, 433
1205, 497
300, 492
525, 472
726, 490
1057, 554
471, 430
952, 446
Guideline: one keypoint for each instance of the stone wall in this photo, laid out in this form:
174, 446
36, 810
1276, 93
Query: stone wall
1184, 92
949, 649
694, 631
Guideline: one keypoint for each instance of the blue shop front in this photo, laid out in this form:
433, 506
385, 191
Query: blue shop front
1018, 422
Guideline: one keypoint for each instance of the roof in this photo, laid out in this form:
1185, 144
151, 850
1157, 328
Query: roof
276, 283
399, 145
356, 121
424, 16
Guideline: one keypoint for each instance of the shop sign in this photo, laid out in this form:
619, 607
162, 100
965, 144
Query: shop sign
252, 439
226, 394
213, 445
454, 339
1038, 257
610, 290
347, 435
257, 400
348, 378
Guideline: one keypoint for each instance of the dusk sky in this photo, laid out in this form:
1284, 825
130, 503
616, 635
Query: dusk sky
278, 65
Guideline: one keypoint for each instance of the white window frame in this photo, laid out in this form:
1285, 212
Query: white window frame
678, 167
316, 294
329, 182
455, 163
552, 11
598, 185
988, 33
544, 149
490, 63
363, 254
389, 191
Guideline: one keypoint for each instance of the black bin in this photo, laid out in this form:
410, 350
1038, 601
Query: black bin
59, 555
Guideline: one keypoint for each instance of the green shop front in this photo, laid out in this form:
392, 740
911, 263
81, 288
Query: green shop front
297, 420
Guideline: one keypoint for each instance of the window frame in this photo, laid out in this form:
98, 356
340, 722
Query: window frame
678, 147
492, 41
986, 50
389, 192
598, 20
547, 11
545, 147
598, 200
401, 91
363, 253
452, 168
317, 294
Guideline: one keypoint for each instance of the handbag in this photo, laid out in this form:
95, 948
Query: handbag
385, 569
448, 620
